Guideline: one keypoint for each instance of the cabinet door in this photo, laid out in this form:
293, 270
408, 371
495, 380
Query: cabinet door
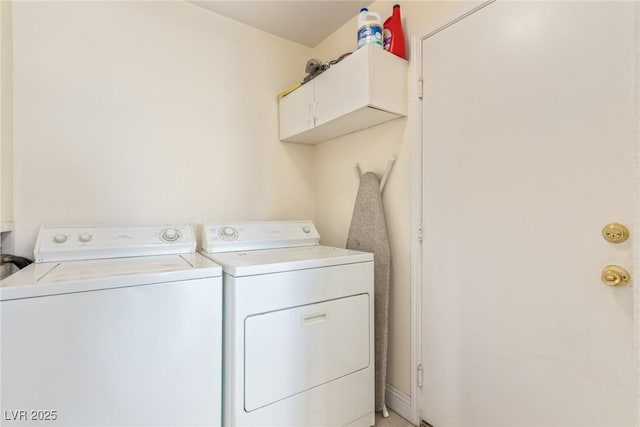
296, 111
343, 89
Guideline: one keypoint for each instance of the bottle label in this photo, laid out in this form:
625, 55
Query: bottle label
387, 39
370, 34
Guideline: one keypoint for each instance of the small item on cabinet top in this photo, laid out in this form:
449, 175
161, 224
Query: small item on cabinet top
393, 34
339, 58
314, 68
289, 90
369, 28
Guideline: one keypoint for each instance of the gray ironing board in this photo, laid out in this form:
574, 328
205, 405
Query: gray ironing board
368, 232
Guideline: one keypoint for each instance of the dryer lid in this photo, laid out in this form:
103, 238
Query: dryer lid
267, 261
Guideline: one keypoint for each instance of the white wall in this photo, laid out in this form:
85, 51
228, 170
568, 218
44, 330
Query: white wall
336, 182
150, 112
6, 133
6, 112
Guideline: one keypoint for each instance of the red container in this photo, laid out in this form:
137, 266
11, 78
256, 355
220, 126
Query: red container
393, 34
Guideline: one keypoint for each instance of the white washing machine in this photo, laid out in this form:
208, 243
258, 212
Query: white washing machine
298, 326
112, 326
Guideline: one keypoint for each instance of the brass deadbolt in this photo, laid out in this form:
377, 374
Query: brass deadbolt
615, 233
614, 275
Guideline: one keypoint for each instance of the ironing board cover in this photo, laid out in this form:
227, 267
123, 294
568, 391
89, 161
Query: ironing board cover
368, 232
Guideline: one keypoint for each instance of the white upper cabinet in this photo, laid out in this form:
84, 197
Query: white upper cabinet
366, 88
298, 111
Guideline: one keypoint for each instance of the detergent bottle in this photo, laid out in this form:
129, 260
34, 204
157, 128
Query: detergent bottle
393, 34
369, 28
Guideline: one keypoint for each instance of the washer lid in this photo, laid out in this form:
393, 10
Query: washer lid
266, 261
53, 278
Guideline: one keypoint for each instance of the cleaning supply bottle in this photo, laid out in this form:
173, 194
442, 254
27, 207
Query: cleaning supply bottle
393, 34
369, 28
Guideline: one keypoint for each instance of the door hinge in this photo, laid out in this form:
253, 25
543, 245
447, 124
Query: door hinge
420, 234
420, 87
420, 375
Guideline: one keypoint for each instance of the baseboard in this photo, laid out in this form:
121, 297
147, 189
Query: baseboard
399, 402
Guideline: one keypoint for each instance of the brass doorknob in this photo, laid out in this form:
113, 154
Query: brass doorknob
614, 275
615, 233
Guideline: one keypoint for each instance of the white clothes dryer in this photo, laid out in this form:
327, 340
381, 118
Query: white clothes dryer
298, 326
112, 326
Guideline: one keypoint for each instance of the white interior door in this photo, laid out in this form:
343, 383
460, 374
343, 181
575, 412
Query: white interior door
528, 133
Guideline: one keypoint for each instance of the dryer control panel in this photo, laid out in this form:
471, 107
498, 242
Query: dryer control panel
254, 235
67, 243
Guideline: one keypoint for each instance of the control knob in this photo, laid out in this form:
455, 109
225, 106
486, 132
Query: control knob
170, 235
60, 238
228, 233
85, 237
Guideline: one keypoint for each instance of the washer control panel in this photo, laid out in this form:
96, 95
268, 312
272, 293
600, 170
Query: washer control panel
66, 243
250, 235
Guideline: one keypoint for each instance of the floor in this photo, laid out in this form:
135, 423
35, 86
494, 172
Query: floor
394, 420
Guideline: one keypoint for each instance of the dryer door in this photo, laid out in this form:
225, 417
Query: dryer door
292, 350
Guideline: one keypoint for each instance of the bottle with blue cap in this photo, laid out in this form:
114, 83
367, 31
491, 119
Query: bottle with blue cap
369, 28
